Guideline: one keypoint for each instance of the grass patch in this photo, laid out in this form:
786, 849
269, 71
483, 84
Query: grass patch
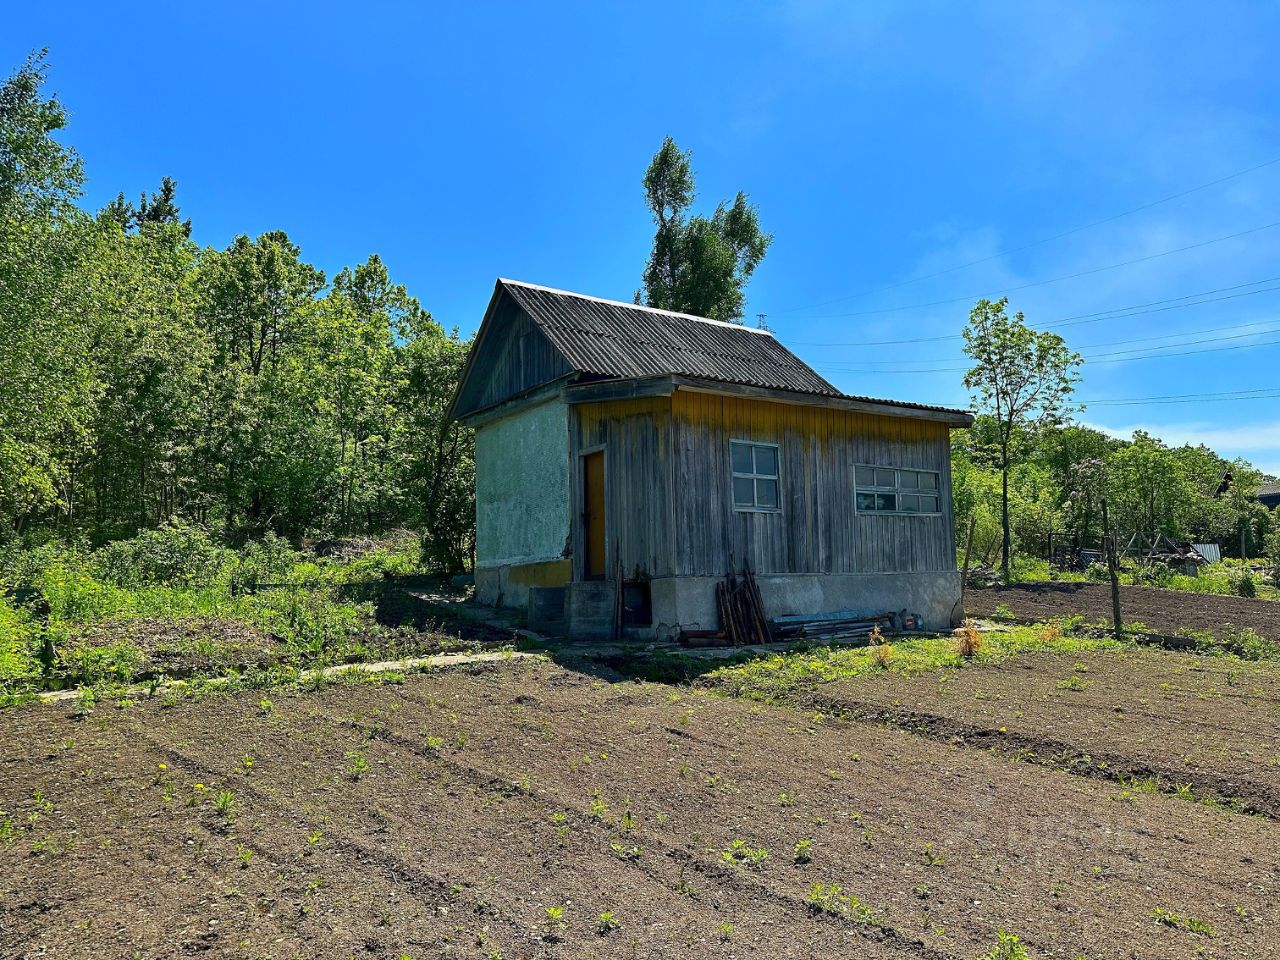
74, 616
777, 678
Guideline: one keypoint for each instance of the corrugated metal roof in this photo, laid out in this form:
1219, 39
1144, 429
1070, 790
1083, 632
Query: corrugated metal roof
608, 338
611, 339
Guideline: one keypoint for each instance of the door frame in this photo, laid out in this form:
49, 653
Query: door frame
580, 505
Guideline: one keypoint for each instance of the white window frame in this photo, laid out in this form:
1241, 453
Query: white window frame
897, 490
776, 477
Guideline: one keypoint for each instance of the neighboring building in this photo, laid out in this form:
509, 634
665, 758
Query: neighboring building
615, 441
1269, 495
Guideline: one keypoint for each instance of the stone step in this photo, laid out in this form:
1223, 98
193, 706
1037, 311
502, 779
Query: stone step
589, 608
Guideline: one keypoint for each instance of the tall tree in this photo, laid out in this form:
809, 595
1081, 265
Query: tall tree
35, 169
1023, 379
698, 265
48, 386
256, 300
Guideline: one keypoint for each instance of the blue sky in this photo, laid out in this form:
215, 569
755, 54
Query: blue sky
888, 146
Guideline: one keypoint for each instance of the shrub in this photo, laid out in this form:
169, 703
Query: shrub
269, 560
19, 636
1244, 585
1029, 569
968, 639
1247, 644
1097, 571
176, 553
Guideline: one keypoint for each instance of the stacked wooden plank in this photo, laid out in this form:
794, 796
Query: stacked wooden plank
742, 618
837, 625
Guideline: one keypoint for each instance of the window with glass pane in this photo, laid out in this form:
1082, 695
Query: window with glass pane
891, 490
755, 475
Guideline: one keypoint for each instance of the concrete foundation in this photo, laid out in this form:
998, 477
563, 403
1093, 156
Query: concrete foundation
689, 602
589, 609
508, 584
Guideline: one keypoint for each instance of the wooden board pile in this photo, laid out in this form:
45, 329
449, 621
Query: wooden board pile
837, 625
742, 618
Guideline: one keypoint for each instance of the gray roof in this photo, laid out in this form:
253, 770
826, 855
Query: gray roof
607, 338
1269, 493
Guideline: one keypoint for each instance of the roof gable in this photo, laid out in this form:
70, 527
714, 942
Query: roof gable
511, 356
606, 338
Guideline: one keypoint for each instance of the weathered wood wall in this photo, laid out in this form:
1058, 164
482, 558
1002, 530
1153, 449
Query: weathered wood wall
636, 436
817, 530
516, 358
670, 492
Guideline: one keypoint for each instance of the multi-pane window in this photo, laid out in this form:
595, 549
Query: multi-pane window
755, 475
892, 490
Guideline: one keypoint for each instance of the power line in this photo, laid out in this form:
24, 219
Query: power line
1116, 313
1117, 343
1186, 398
1093, 361
1041, 283
1255, 393
1034, 243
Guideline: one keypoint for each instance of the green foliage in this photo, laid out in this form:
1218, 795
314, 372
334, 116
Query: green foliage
1023, 379
1008, 947
781, 676
698, 265
145, 379
310, 612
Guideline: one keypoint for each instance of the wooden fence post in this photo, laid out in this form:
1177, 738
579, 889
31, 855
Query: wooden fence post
968, 552
1109, 545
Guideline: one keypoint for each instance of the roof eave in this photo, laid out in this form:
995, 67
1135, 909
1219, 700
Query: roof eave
624, 388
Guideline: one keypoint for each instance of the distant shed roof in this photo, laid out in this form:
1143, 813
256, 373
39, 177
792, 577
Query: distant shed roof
625, 340
1269, 494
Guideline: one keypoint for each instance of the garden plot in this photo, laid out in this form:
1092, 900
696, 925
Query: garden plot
1203, 726
528, 810
1163, 611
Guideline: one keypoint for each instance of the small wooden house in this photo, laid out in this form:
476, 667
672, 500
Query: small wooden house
622, 445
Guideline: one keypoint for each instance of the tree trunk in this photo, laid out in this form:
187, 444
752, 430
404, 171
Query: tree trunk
1006, 543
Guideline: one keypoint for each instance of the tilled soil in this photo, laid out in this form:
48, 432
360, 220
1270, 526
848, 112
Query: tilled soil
1163, 611
181, 647
1210, 725
442, 817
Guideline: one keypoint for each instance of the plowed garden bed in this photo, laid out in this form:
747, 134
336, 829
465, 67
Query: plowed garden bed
444, 816
1209, 726
1163, 611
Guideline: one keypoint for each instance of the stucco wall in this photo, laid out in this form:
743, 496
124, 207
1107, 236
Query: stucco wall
522, 490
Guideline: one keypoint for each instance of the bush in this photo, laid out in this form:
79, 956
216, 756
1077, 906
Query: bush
1246, 644
176, 553
269, 560
19, 637
1244, 585
1029, 570
1097, 572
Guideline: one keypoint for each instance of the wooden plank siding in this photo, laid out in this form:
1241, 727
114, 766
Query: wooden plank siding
669, 483
516, 358
817, 530
636, 437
